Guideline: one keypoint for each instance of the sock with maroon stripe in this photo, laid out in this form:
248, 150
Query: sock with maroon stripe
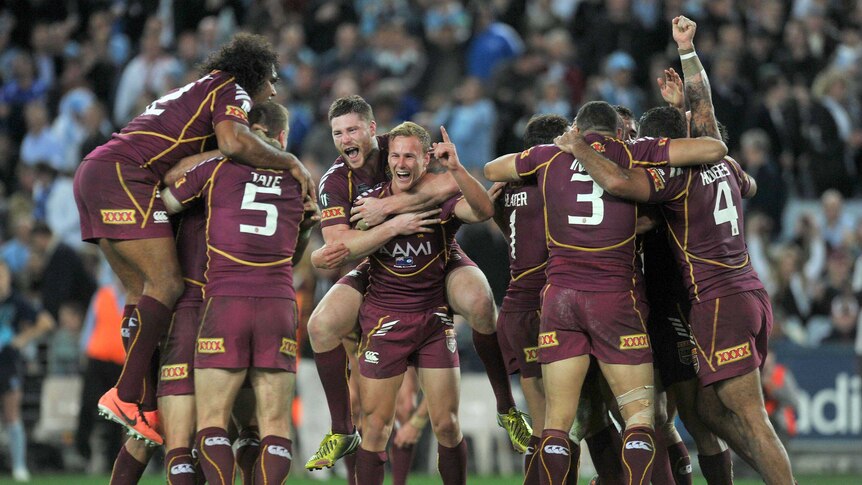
153, 319
127, 470
555, 452
717, 469
401, 458
125, 330
332, 369
638, 454
531, 465
605, 448
216, 456
179, 468
273, 462
452, 463
247, 450
661, 468
680, 463
488, 349
370, 467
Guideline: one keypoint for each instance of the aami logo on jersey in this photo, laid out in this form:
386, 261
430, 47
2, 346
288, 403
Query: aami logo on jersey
531, 354
548, 339
406, 249
210, 345
174, 372
331, 213
288, 347
236, 112
633, 342
118, 216
726, 356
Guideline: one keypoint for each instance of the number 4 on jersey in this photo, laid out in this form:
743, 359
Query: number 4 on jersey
729, 213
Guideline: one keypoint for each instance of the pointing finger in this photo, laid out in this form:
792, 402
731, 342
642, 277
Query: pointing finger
445, 135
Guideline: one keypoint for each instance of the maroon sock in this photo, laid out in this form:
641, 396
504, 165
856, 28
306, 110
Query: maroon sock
125, 330
401, 459
216, 456
179, 467
452, 463
605, 448
680, 463
488, 349
127, 470
273, 463
200, 478
531, 465
247, 449
332, 369
638, 454
717, 469
370, 467
555, 451
662, 472
153, 319
150, 402
350, 465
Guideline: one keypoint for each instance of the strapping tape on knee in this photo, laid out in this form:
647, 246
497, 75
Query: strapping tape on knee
644, 394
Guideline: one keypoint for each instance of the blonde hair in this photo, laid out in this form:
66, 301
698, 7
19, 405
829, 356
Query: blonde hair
408, 129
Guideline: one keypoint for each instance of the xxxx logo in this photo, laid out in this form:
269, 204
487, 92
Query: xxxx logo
236, 112
174, 372
733, 354
332, 212
531, 354
118, 216
548, 339
210, 345
632, 342
288, 347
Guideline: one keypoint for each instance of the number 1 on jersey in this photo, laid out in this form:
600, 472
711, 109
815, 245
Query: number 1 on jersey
729, 213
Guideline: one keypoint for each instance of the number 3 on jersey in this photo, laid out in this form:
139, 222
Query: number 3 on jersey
248, 203
597, 205
729, 213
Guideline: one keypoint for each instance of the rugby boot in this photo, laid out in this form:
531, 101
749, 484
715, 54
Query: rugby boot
518, 427
333, 447
129, 415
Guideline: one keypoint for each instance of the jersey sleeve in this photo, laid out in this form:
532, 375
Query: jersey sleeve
739, 173
192, 184
528, 162
230, 103
666, 183
447, 209
650, 152
334, 197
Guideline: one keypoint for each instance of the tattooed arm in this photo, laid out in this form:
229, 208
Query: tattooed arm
697, 89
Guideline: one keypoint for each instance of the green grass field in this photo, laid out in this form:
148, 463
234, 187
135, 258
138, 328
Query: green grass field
414, 480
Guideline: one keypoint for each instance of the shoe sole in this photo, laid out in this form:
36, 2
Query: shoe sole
109, 414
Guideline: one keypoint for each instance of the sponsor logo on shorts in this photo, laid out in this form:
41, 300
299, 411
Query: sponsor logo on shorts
372, 357
662, 141
638, 445
684, 470
531, 354
278, 451
160, 217
657, 176
556, 450
210, 345
180, 469
385, 328
331, 213
599, 147
118, 216
236, 112
217, 441
288, 347
733, 354
174, 372
633, 342
451, 343
548, 339
687, 353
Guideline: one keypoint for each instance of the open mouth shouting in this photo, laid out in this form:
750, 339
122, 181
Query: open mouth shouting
352, 154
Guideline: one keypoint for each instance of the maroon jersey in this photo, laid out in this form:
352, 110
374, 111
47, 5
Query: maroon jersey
523, 219
192, 253
178, 124
253, 218
340, 186
710, 250
590, 234
408, 273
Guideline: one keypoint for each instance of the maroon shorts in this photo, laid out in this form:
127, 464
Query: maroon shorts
608, 325
391, 341
176, 373
458, 258
731, 333
518, 333
673, 346
119, 201
357, 278
240, 332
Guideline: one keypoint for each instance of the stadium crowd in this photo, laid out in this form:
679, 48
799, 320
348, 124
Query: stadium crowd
784, 83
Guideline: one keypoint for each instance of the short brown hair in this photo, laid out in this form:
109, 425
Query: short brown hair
409, 128
351, 104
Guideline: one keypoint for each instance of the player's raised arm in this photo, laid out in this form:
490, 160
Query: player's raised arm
697, 89
476, 206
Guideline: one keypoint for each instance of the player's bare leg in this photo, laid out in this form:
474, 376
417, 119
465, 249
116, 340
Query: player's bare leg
273, 392
593, 424
378, 416
470, 296
405, 404
713, 455
215, 392
749, 427
633, 386
178, 429
564, 380
442, 393
672, 463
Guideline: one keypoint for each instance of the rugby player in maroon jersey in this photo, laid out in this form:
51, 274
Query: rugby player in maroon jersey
404, 317
116, 190
731, 315
593, 303
361, 166
255, 230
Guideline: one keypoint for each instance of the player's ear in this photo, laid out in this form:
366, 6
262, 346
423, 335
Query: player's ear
258, 126
620, 133
372, 127
282, 139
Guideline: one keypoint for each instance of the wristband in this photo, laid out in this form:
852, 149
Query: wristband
691, 54
418, 422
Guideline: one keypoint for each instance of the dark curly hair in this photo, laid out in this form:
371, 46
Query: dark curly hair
664, 121
249, 58
542, 129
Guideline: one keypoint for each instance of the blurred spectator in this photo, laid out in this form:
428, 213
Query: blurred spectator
493, 42
321, 19
51, 195
789, 289
601, 28
292, 52
552, 99
780, 395
40, 144
447, 27
57, 271
348, 54
398, 55
563, 66
729, 95
22, 87
757, 160
97, 128
102, 52
845, 317
618, 87
69, 126
16, 251
64, 348
471, 122
838, 225
795, 58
